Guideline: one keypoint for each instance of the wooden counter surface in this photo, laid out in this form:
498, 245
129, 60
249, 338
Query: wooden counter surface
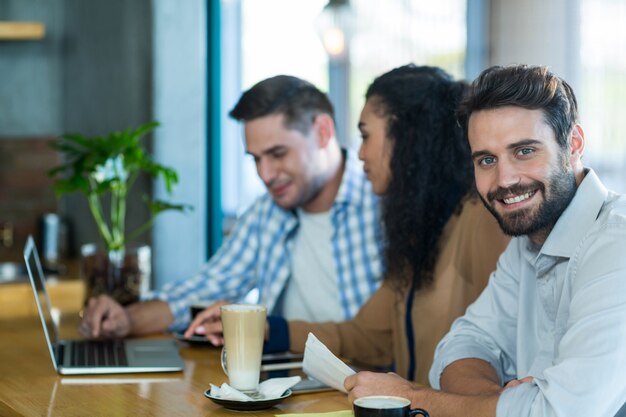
29, 386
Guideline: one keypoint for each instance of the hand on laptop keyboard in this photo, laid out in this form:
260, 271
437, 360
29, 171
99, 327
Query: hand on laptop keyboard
104, 317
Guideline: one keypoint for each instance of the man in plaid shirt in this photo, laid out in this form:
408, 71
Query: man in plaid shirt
311, 246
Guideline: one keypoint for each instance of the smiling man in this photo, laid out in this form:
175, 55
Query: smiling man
527, 183
547, 337
310, 246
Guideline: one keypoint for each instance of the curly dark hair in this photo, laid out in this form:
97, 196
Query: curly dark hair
298, 100
431, 167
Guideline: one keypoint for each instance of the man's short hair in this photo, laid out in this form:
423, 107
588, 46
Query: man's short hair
529, 87
298, 100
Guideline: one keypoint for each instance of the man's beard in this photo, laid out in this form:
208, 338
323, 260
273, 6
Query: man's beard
305, 195
561, 187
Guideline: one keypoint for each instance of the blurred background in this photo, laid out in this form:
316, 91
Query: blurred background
102, 65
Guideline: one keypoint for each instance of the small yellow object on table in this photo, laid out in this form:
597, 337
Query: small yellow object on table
341, 413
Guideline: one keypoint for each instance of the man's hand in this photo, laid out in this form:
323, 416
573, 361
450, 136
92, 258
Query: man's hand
104, 317
208, 322
437, 403
515, 382
371, 383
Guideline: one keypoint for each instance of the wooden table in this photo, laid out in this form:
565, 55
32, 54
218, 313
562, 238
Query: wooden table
29, 386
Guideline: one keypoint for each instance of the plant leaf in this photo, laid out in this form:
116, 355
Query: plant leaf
99, 165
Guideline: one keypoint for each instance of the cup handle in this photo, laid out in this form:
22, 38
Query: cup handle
418, 411
223, 360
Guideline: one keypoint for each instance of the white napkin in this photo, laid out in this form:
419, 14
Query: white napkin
228, 393
321, 364
268, 390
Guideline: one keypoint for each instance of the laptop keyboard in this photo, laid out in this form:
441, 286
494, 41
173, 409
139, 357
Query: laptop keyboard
107, 353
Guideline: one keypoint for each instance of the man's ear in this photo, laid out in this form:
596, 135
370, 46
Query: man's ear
576, 143
325, 129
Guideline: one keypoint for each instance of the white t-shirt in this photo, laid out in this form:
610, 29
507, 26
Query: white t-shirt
312, 293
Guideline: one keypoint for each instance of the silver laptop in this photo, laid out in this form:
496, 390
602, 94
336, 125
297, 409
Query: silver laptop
76, 357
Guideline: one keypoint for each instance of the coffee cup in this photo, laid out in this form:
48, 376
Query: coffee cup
244, 333
385, 406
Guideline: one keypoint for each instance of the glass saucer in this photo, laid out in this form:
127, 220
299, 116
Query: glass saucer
260, 404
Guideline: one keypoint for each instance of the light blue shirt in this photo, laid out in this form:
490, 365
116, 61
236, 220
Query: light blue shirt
556, 313
257, 253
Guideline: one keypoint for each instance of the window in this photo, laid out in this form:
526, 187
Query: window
394, 33
603, 81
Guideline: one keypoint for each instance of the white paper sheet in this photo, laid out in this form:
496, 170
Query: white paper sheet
319, 363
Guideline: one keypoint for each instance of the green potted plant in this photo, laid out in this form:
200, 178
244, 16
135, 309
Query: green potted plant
104, 169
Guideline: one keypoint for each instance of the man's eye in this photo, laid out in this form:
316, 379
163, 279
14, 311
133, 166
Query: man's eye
364, 137
487, 160
526, 151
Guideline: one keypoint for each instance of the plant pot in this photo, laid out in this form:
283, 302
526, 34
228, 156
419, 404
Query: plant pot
124, 275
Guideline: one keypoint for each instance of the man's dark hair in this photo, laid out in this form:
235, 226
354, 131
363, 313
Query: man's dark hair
431, 167
529, 87
298, 100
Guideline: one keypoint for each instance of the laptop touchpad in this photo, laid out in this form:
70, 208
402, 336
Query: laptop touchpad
151, 352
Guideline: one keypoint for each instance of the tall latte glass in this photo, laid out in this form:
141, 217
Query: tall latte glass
244, 332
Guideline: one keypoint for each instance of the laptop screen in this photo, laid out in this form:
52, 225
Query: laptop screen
37, 280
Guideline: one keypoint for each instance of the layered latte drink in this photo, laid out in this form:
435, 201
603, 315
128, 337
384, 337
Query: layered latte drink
244, 332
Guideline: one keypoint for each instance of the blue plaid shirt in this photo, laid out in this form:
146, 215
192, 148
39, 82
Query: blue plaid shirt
256, 254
